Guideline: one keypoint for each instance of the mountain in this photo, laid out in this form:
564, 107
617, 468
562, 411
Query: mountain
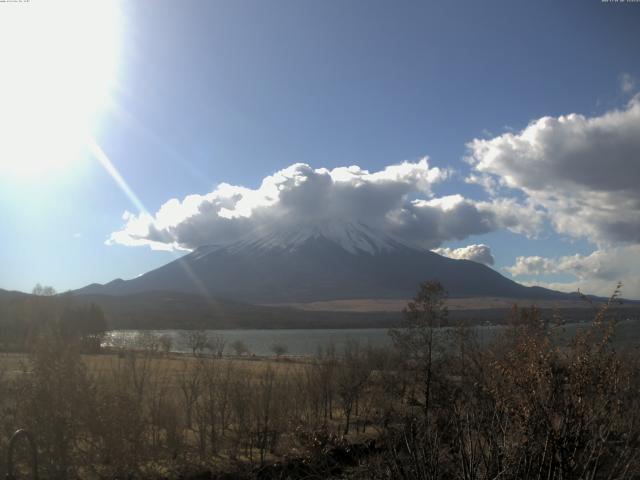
325, 261
11, 294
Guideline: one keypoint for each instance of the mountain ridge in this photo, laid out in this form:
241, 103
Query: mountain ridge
318, 262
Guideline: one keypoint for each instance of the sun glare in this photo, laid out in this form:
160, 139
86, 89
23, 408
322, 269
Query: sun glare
58, 66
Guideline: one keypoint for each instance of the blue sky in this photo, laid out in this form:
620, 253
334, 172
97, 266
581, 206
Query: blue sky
228, 91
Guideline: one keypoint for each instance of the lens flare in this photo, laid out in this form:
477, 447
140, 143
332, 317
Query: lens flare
59, 64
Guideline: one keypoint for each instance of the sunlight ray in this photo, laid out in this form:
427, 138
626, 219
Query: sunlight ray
99, 154
113, 172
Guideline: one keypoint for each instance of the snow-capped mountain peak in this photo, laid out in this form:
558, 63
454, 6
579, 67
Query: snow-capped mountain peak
354, 237
320, 261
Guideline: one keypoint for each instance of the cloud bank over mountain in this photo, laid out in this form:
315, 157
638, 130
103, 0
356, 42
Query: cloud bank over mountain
572, 174
397, 200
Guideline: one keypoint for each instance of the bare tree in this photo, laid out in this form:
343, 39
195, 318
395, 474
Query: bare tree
239, 347
166, 342
324, 369
353, 374
267, 405
43, 290
189, 381
279, 349
217, 344
149, 341
55, 398
416, 336
195, 340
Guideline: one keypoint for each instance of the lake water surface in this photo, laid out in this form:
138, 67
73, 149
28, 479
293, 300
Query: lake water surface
308, 341
260, 342
298, 342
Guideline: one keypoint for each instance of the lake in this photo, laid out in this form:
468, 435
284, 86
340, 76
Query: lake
298, 342
260, 342
308, 341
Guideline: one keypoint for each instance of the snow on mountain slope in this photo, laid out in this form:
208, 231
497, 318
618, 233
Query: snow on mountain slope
354, 237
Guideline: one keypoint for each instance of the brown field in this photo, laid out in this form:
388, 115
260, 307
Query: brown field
155, 413
396, 305
171, 366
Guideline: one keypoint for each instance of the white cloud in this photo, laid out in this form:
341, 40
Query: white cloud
583, 171
477, 252
596, 273
627, 83
531, 266
454, 217
398, 200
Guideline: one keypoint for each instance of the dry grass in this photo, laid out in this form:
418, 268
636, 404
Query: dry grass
175, 363
396, 305
172, 366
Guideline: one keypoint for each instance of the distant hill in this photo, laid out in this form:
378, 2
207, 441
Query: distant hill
317, 263
11, 293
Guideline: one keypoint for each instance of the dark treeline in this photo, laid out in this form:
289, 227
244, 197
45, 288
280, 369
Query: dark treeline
172, 310
527, 405
25, 317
